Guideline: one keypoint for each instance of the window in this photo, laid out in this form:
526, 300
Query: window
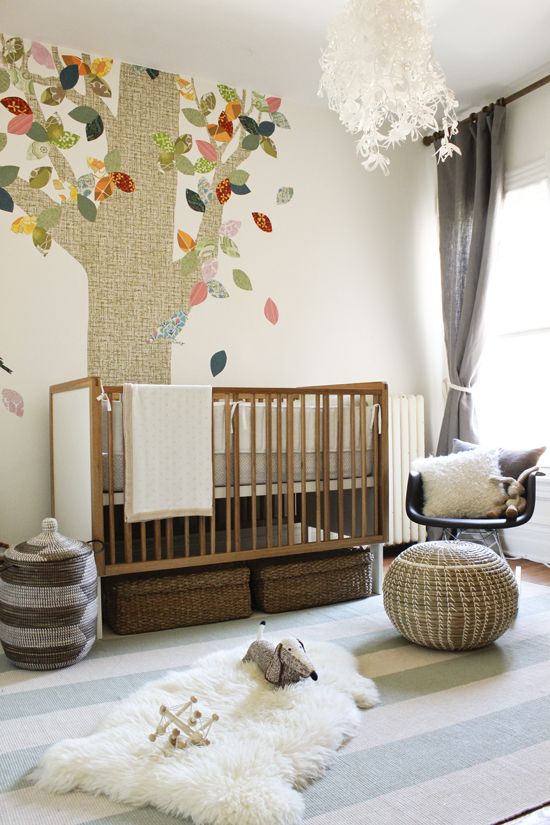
513, 390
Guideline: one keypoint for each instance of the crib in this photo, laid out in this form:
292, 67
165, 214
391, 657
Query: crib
295, 471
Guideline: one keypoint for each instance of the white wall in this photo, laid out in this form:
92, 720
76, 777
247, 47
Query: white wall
352, 265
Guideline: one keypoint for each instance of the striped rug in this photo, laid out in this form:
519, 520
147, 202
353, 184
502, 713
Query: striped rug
458, 739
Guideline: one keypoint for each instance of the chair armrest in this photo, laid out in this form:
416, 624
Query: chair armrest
414, 500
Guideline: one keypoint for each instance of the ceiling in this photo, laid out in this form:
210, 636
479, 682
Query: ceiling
486, 47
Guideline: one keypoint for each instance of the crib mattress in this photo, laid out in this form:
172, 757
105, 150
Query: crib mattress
245, 469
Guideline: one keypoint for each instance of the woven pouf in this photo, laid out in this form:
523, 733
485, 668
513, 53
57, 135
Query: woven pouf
450, 595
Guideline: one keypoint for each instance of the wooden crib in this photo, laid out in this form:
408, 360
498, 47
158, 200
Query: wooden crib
295, 471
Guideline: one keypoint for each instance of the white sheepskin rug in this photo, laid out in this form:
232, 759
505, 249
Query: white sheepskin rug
268, 744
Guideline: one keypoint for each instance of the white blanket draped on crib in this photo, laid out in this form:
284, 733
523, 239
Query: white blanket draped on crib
168, 450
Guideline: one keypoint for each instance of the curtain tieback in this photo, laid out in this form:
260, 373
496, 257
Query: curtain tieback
459, 389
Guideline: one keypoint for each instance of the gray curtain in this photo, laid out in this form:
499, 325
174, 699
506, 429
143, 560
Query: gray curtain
470, 189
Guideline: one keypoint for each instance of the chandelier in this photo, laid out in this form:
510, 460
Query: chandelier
380, 76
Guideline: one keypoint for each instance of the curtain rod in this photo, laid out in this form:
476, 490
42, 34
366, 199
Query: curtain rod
503, 101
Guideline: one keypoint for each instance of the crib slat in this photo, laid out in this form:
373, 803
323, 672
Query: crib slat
303, 466
280, 470
202, 535
363, 432
326, 467
213, 519
170, 538
143, 540
227, 425
269, 471
186, 535
236, 477
127, 542
253, 468
157, 535
318, 466
375, 469
340, 461
290, 468
353, 468
110, 459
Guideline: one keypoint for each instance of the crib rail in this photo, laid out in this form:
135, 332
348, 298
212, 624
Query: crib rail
295, 471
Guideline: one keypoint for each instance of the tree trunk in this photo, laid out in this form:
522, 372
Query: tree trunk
128, 255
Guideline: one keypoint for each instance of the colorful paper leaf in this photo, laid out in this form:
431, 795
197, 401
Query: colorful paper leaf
5, 81
42, 240
198, 294
225, 124
239, 177
189, 263
38, 150
123, 182
284, 194
223, 190
104, 188
221, 135
229, 247
209, 270
99, 86
249, 124
207, 103
85, 184
96, 165
207, 150
184, 165
217, 289
153, 73
83, 114
251, 142
241, 279
230, 228
205, 190
6, 200
279, 120
203, 166
24, 225
20, 124
194, 116
183, 144
113, 160
40, 177
194, 201
206, 249
218, 362
240, 190
228, 93
171, 328
13, 402
38, 133
273, 103
266, 128
233, 110
259, 102
94, 128
8, 174
49, 217
164, 141
271, 311
101, 66
185, 241
262, 221
13, 50
3, 140
68, 77
86, 207
16, 105
52, 95
66, 141
269, 147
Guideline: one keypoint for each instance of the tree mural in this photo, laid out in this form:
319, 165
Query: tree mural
115, 213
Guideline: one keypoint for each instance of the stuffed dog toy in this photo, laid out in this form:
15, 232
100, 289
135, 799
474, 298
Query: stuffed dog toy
283, 664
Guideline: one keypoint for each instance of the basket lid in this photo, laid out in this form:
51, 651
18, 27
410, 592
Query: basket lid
445, 554
49, 545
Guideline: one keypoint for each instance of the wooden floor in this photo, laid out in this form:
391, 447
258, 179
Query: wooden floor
530, 572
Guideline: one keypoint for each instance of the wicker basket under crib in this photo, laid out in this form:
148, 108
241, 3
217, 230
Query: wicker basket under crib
139, 603
48, 607
309, 581
450, 595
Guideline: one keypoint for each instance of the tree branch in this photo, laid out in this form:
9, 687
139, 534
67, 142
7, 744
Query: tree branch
89, 98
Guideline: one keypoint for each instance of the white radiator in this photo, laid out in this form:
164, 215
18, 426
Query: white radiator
406, 442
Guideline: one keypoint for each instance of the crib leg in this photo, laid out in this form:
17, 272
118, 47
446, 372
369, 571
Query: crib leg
99, 625
377, 567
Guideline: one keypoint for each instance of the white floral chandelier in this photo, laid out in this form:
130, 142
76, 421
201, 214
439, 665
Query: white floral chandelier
380, 76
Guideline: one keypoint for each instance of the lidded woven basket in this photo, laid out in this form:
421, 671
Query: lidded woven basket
48, 608
450, 595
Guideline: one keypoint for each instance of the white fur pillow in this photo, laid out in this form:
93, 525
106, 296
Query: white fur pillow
459, 485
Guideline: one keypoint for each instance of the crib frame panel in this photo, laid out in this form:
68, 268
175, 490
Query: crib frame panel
284, 516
